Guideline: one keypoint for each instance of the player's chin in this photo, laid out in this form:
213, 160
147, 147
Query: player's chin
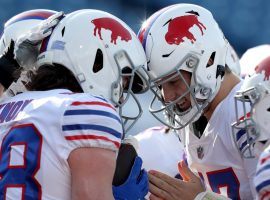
183, 107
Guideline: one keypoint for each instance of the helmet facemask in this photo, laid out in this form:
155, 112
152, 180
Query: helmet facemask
199, 95
245, 130
132, 81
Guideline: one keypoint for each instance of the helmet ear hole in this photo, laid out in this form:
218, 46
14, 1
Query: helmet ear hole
126, 71
63, 31
137, 87
268, 109
211, 59
4, 42
137, 84
98, 64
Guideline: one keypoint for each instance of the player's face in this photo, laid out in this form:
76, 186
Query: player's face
125, 82
1, 89
125, 87
176, 87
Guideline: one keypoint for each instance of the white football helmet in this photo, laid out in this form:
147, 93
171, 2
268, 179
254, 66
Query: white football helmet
184, 37
104, 55
254, 97
15, 27
252, 57
22, 23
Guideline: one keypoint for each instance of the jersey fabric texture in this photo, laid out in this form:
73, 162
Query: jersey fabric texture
262, 178
215, 156
159, 150
39, 130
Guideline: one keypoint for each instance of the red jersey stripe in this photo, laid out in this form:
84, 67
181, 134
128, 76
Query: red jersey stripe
266, 195
91, 137
265, 159
94, 103
248, 116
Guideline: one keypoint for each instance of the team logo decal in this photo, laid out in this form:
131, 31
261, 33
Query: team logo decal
178, 28
200, 152
114, 26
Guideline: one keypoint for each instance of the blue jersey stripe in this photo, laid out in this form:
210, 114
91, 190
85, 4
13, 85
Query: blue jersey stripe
92, 112
266, 167
262, 185
99, 97
243, 145
240, 133
91, 127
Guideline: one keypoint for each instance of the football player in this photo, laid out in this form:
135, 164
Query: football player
186, 53
253, 139
252, 57
167, 140
60, 140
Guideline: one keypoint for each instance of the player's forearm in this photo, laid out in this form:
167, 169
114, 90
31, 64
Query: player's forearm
92, 195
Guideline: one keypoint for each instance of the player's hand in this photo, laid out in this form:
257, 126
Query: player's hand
136, 186
164, 187
27, 45
8, 66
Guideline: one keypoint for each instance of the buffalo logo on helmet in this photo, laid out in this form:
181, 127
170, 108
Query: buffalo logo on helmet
178, 28
117, 29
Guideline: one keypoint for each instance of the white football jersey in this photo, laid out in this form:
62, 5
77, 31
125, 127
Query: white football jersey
262, 178
215, 156
159, 150
38, 130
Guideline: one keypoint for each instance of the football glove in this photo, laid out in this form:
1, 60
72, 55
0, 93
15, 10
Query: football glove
136, 185
8, 66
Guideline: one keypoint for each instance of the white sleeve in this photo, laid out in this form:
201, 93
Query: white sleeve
92, 122
250, 168
262, 178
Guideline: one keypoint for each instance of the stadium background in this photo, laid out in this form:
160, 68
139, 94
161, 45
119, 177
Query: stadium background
244, 22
